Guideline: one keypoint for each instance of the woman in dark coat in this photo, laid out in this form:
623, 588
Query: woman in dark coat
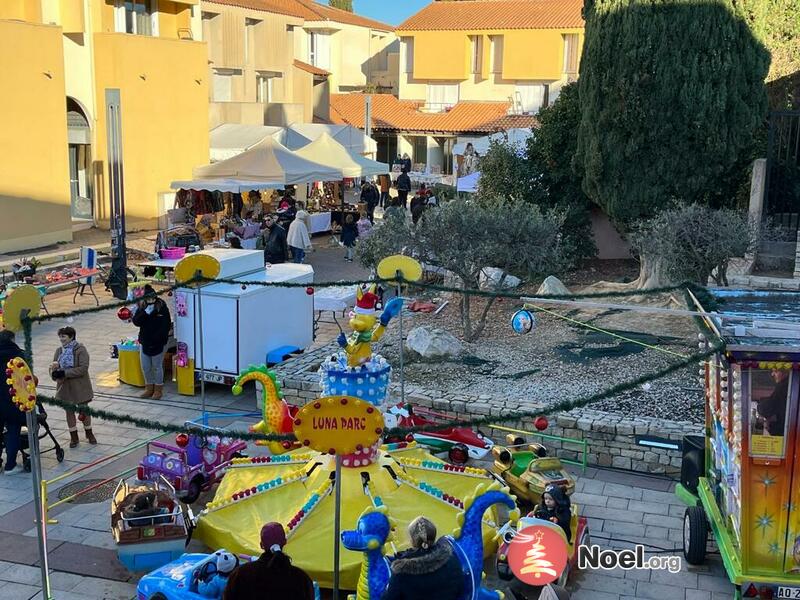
555, 507
70, 371
154, 323
11, 417
429, 570
272, 575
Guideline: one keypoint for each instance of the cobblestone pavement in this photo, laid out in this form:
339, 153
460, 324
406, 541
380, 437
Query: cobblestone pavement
621, 506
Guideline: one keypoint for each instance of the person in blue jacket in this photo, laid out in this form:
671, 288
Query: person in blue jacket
215, 586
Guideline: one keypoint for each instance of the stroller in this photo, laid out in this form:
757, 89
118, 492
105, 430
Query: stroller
24, 447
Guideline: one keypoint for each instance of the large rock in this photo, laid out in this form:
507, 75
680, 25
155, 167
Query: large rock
552, 286
432, 344
490, 279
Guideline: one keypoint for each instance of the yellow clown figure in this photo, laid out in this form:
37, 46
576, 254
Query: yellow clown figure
358, 345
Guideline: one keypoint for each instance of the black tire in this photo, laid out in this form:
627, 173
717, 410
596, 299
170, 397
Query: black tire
193, 493
458, 454
158, 596
60, 454
695, 535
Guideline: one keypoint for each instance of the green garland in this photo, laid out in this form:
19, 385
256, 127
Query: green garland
157, 425
563, 406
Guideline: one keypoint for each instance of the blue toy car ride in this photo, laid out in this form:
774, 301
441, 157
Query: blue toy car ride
179, 579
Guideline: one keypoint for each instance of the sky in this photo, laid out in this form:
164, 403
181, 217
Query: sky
392, 12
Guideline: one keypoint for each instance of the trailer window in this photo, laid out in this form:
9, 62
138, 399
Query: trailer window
769, 398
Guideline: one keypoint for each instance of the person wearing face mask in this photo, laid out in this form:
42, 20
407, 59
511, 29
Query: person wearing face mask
70, 371
154, 322
274, 243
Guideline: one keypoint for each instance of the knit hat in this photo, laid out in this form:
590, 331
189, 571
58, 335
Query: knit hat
273, 537
365, 305
226, 562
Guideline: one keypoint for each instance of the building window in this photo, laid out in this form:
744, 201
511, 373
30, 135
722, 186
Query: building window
139, 17
408, 44
222, 85
496, 53
571, 46
319, 49
477, 53
249, 38
530, 97
439, 97
419, 150
263, 89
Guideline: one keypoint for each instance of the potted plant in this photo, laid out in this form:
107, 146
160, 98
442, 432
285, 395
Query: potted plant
26, 268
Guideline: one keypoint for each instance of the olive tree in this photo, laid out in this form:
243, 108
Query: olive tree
464, 237
693, 243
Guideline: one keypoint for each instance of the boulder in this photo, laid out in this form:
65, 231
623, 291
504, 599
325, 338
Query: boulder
429, 343
552, 286
490, 279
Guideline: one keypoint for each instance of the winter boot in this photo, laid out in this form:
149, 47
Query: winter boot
157, 392
148, 391
73, 438
90, 436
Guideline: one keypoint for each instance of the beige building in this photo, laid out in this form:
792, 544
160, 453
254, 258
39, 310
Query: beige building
517, 51
67, 62
275, 62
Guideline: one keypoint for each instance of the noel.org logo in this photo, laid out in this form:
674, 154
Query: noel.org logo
537, 555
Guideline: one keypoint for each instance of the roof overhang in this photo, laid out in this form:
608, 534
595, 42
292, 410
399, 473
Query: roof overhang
322, 26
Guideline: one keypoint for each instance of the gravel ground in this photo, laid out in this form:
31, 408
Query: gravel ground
559, 360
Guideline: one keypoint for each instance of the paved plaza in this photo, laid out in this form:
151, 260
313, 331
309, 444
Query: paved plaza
622, 508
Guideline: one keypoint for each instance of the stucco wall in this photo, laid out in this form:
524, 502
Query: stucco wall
529, 56
34, 171
164, 89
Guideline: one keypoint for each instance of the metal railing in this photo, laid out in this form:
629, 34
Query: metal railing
584, 445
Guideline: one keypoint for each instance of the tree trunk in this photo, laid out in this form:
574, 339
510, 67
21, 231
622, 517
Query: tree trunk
464, 304
651, 274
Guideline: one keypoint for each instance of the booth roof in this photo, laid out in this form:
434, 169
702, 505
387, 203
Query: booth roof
759, 318
327, 150
469, 183
268, 162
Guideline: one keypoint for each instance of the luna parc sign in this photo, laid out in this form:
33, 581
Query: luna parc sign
338, 425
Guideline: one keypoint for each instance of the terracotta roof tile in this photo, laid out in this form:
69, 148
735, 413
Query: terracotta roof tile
303, 66
308, 10
476, 15
391, 114
338, 15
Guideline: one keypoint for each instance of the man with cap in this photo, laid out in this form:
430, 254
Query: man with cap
272, 575
215, 586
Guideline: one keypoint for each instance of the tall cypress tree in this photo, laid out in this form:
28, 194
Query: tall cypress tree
671, 94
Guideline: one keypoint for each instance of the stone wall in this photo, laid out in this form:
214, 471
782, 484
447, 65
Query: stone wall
611, 438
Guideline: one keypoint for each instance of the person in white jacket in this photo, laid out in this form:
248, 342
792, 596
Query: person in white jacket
298, 237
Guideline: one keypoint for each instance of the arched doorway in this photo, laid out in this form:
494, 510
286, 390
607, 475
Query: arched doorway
79, 136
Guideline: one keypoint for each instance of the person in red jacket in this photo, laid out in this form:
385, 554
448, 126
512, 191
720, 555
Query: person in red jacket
272, 575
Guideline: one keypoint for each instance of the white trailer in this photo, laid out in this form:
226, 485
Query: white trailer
242, 324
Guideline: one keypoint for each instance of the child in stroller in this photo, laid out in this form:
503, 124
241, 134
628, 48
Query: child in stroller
44, 431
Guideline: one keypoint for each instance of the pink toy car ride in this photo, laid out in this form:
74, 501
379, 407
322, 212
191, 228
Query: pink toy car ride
193, 465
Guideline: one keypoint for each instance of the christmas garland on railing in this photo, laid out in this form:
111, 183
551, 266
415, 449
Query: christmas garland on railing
158, 426
563, 406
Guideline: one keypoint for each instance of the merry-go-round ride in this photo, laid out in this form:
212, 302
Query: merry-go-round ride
741, 480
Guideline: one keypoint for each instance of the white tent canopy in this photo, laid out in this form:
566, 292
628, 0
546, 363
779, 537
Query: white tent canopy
352, 138
268, 162
328, 151
230, 139
212, 184
468, 183
481, 145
